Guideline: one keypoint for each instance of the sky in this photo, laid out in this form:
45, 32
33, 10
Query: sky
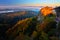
29, 2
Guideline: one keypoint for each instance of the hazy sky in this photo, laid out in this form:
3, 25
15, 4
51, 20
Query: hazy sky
30, 2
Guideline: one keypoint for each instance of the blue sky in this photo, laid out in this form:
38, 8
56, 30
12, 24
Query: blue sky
29, 2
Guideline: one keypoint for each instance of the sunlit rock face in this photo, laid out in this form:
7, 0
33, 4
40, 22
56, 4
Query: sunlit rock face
45, 11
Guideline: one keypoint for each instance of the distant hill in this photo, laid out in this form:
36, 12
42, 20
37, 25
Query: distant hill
15, 16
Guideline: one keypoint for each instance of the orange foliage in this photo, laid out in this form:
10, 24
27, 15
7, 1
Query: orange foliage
20, 25
46, 11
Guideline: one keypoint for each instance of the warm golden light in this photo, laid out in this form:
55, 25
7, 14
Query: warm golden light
46, 11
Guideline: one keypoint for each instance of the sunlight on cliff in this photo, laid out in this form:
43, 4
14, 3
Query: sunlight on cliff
46, 11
